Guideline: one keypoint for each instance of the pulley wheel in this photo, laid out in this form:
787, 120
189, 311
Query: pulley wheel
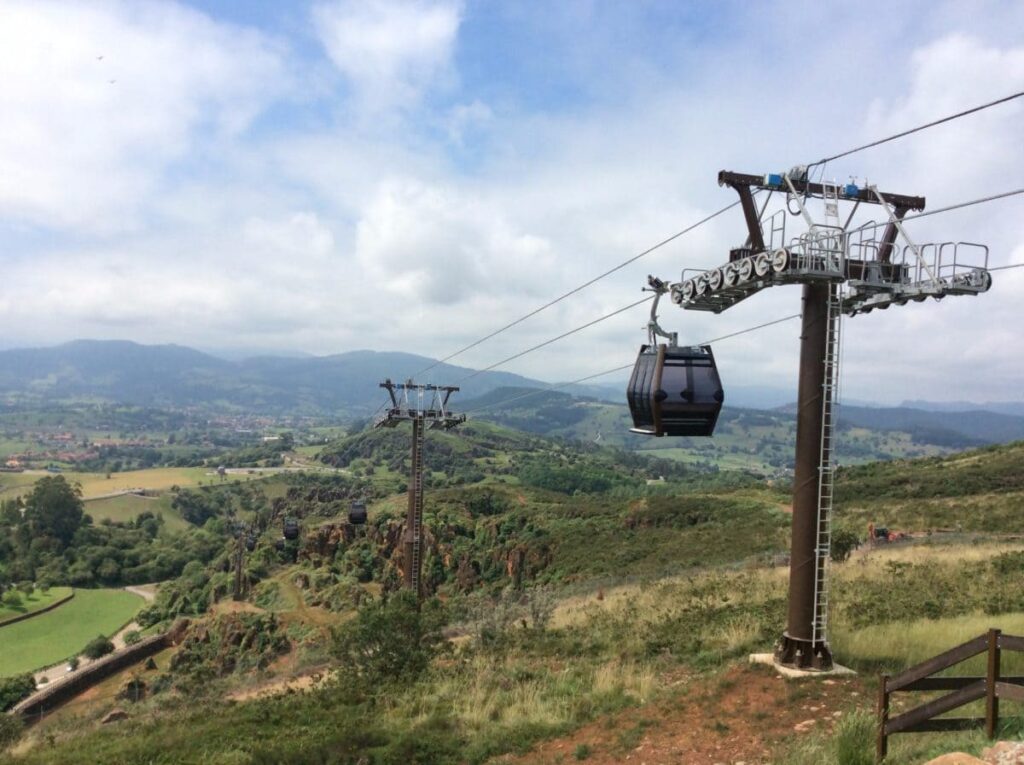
762, 264
730, 274
714, 280
745, 268
701, 285
688, 290
780, 261
676, 293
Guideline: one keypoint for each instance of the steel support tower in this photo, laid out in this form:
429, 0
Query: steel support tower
426, 407
843, 270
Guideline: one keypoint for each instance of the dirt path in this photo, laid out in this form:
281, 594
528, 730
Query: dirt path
303, 682
740, 716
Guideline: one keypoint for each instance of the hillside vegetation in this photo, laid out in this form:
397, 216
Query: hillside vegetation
574, 584
980, 490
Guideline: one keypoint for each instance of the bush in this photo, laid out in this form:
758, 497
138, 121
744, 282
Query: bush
97, 647
390, 639
843, 544
73, 663
14, 689
12, 599
131, 637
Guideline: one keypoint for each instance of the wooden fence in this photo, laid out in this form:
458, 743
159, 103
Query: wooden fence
964, 690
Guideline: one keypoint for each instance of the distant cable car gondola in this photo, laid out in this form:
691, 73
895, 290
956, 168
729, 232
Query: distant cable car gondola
250, 542
674, 390
291, 528
357, 513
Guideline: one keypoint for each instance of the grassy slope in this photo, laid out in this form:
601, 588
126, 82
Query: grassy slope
881, 603
34, 602
980, 490
128, 506
61, 633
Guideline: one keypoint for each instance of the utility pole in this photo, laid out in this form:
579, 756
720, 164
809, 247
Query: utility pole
426, 407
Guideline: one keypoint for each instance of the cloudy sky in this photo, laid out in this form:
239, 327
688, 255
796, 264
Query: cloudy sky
411, 175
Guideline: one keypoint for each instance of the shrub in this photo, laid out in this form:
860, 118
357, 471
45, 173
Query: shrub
843, 544
14, 689
73, 663
12, 599
131, 637
97, 647
390, 639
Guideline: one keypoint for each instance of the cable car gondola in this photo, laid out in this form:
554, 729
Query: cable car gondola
291, 528
674, 390
357, 513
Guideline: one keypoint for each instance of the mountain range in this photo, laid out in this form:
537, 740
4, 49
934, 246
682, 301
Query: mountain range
347, 384
176, 376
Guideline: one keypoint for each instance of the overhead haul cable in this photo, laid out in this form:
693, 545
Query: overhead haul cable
949, 208
625, 366
919, 128
688, 229
584, 286
555, 339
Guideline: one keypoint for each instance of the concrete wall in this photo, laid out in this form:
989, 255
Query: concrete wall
53, 695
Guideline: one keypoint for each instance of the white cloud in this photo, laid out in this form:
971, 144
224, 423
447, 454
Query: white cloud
390, 50
98, 100
439, 245
318, 234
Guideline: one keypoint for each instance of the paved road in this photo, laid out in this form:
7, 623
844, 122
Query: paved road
146, 592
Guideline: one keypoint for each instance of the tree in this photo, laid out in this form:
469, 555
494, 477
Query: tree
54, 509
12, 599
14, 689
97, 647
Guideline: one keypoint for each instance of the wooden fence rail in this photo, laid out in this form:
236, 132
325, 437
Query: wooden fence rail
963, 690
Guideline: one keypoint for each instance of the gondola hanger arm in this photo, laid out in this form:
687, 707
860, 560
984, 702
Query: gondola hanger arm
654, 330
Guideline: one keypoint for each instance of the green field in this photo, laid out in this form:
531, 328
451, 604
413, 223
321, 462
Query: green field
127, 507
34, 602
13, 485
155, 479
59, 634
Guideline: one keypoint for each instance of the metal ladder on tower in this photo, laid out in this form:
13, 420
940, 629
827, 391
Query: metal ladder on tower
417, 526
826, 463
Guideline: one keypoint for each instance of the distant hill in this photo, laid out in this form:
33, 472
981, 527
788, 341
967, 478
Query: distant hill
952, 428
762, 440
175, 376
1015, 408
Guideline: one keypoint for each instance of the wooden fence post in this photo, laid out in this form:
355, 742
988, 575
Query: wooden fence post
991, 700
882, 743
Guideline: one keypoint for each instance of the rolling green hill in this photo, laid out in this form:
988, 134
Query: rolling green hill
753, 439
974, 491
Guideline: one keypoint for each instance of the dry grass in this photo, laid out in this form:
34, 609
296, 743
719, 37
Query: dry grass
871, 561
514, 694
907, 643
